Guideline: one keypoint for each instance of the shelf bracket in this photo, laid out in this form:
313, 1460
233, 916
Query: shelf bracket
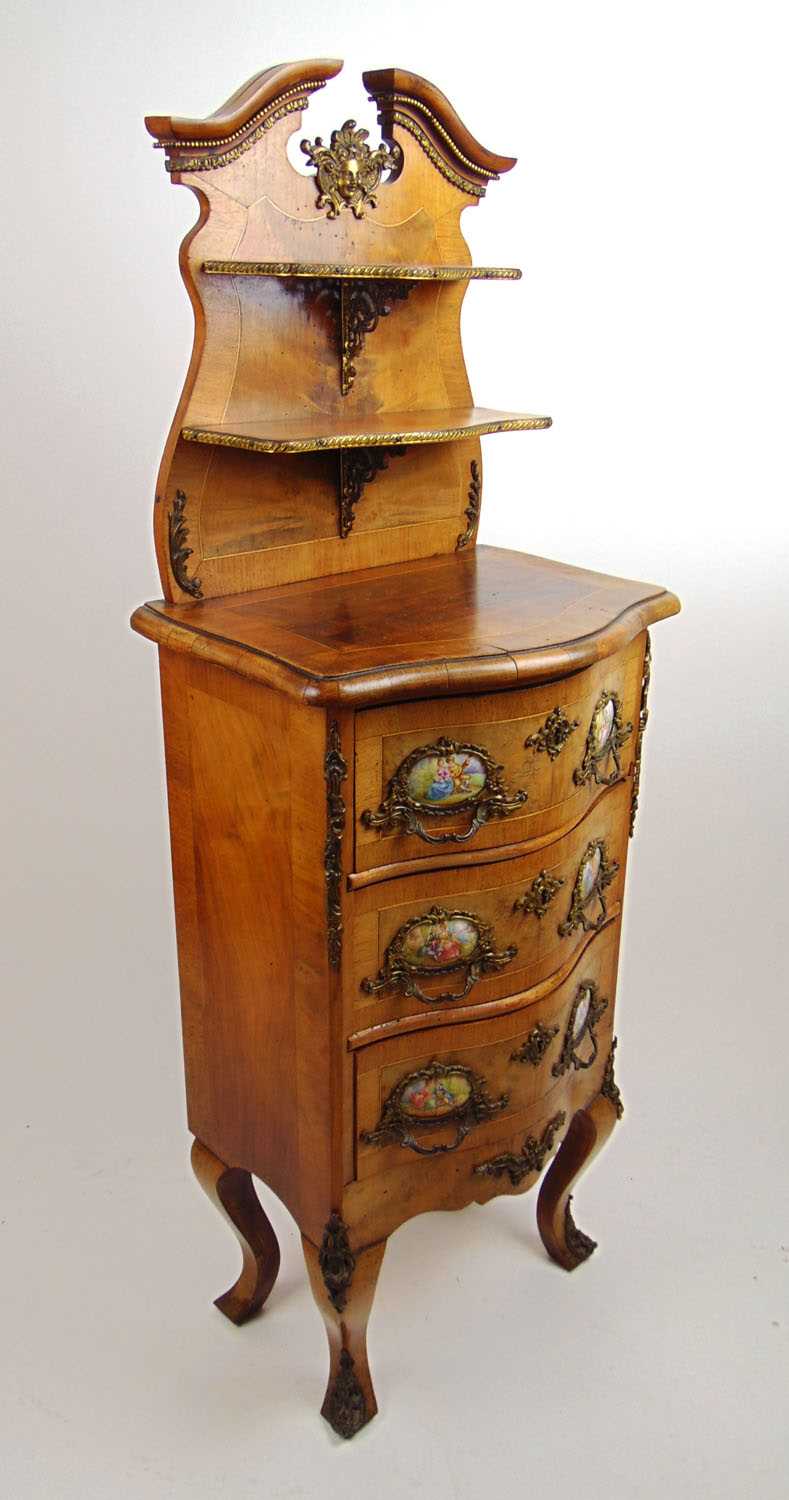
356, 468
357, 307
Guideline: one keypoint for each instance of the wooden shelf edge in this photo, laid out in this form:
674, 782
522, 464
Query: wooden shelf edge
333, 271
340, 440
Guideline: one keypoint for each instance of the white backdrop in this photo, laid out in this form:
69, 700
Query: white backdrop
649, 213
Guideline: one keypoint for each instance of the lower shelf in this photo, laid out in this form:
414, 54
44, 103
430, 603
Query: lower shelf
383, 430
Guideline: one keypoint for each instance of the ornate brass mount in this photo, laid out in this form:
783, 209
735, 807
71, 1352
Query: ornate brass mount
177, 536
536, 1045
458, 1096
356, 468
345, 1407
595, 873
552, 736
537, 899
605, 738
348, 171
357, 307
587, 1008
642, 724
580, 1245
472, 509
337, 1261
335, 771
441, 937
609, 1087
457, 763
531, 1157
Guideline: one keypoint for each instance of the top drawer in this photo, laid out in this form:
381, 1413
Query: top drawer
448, 775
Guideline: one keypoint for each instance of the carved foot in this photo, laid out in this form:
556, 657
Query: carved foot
588, 1132
232, 1191
343, 1285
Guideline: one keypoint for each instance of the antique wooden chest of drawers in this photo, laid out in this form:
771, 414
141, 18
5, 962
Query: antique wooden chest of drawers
403, 770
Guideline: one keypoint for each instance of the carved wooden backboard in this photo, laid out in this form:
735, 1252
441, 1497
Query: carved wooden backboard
326, 422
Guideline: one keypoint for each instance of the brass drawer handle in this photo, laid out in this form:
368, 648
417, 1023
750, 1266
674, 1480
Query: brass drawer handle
595, 873
605, 738
438, 942
440, 1094
439, 781
530, 1158
587, 1008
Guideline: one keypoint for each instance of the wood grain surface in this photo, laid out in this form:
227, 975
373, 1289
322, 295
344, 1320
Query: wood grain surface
477, 621
307, 648
265, 349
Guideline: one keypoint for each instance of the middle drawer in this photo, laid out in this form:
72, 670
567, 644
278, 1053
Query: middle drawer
429, 945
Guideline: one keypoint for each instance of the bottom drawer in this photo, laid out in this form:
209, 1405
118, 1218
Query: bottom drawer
457, 1089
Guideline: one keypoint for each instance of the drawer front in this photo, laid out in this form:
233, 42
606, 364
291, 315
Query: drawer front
429, 1095
448, 940
444, 777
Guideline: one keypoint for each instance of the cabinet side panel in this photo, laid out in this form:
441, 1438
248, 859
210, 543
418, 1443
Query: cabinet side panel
234, 916
174, 671
315, 1002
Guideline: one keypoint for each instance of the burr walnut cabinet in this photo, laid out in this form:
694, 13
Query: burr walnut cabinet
402, 769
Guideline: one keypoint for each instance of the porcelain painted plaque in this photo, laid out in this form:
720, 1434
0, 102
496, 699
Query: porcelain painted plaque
430, 1098
446, 780
439, 942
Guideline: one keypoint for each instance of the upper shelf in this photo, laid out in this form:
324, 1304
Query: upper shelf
333, 272
381, 430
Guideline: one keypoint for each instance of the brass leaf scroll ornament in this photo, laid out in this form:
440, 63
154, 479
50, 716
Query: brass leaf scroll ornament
579, 1048
438, 942
642, 724
595, 873
177, 536
335, 771
361, 306
536, 1045
607, 734
552, 736
580, 1245
345, 1407
439, 781
337, 1261
609, 1087
355, 307
531, 1157
537, 899
357, 468
348, 171
442, 1094
472, 509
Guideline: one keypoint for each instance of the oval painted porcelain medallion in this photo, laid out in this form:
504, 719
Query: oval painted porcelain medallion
447, 780
590, 874
435, 1096
602, 725
581, 1015
440, 943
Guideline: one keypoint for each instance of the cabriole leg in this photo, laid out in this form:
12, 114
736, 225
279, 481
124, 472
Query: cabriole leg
589, 1130
232, 1191
343, 1285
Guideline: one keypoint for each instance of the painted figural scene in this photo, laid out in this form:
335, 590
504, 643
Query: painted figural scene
440, 942
446, 780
